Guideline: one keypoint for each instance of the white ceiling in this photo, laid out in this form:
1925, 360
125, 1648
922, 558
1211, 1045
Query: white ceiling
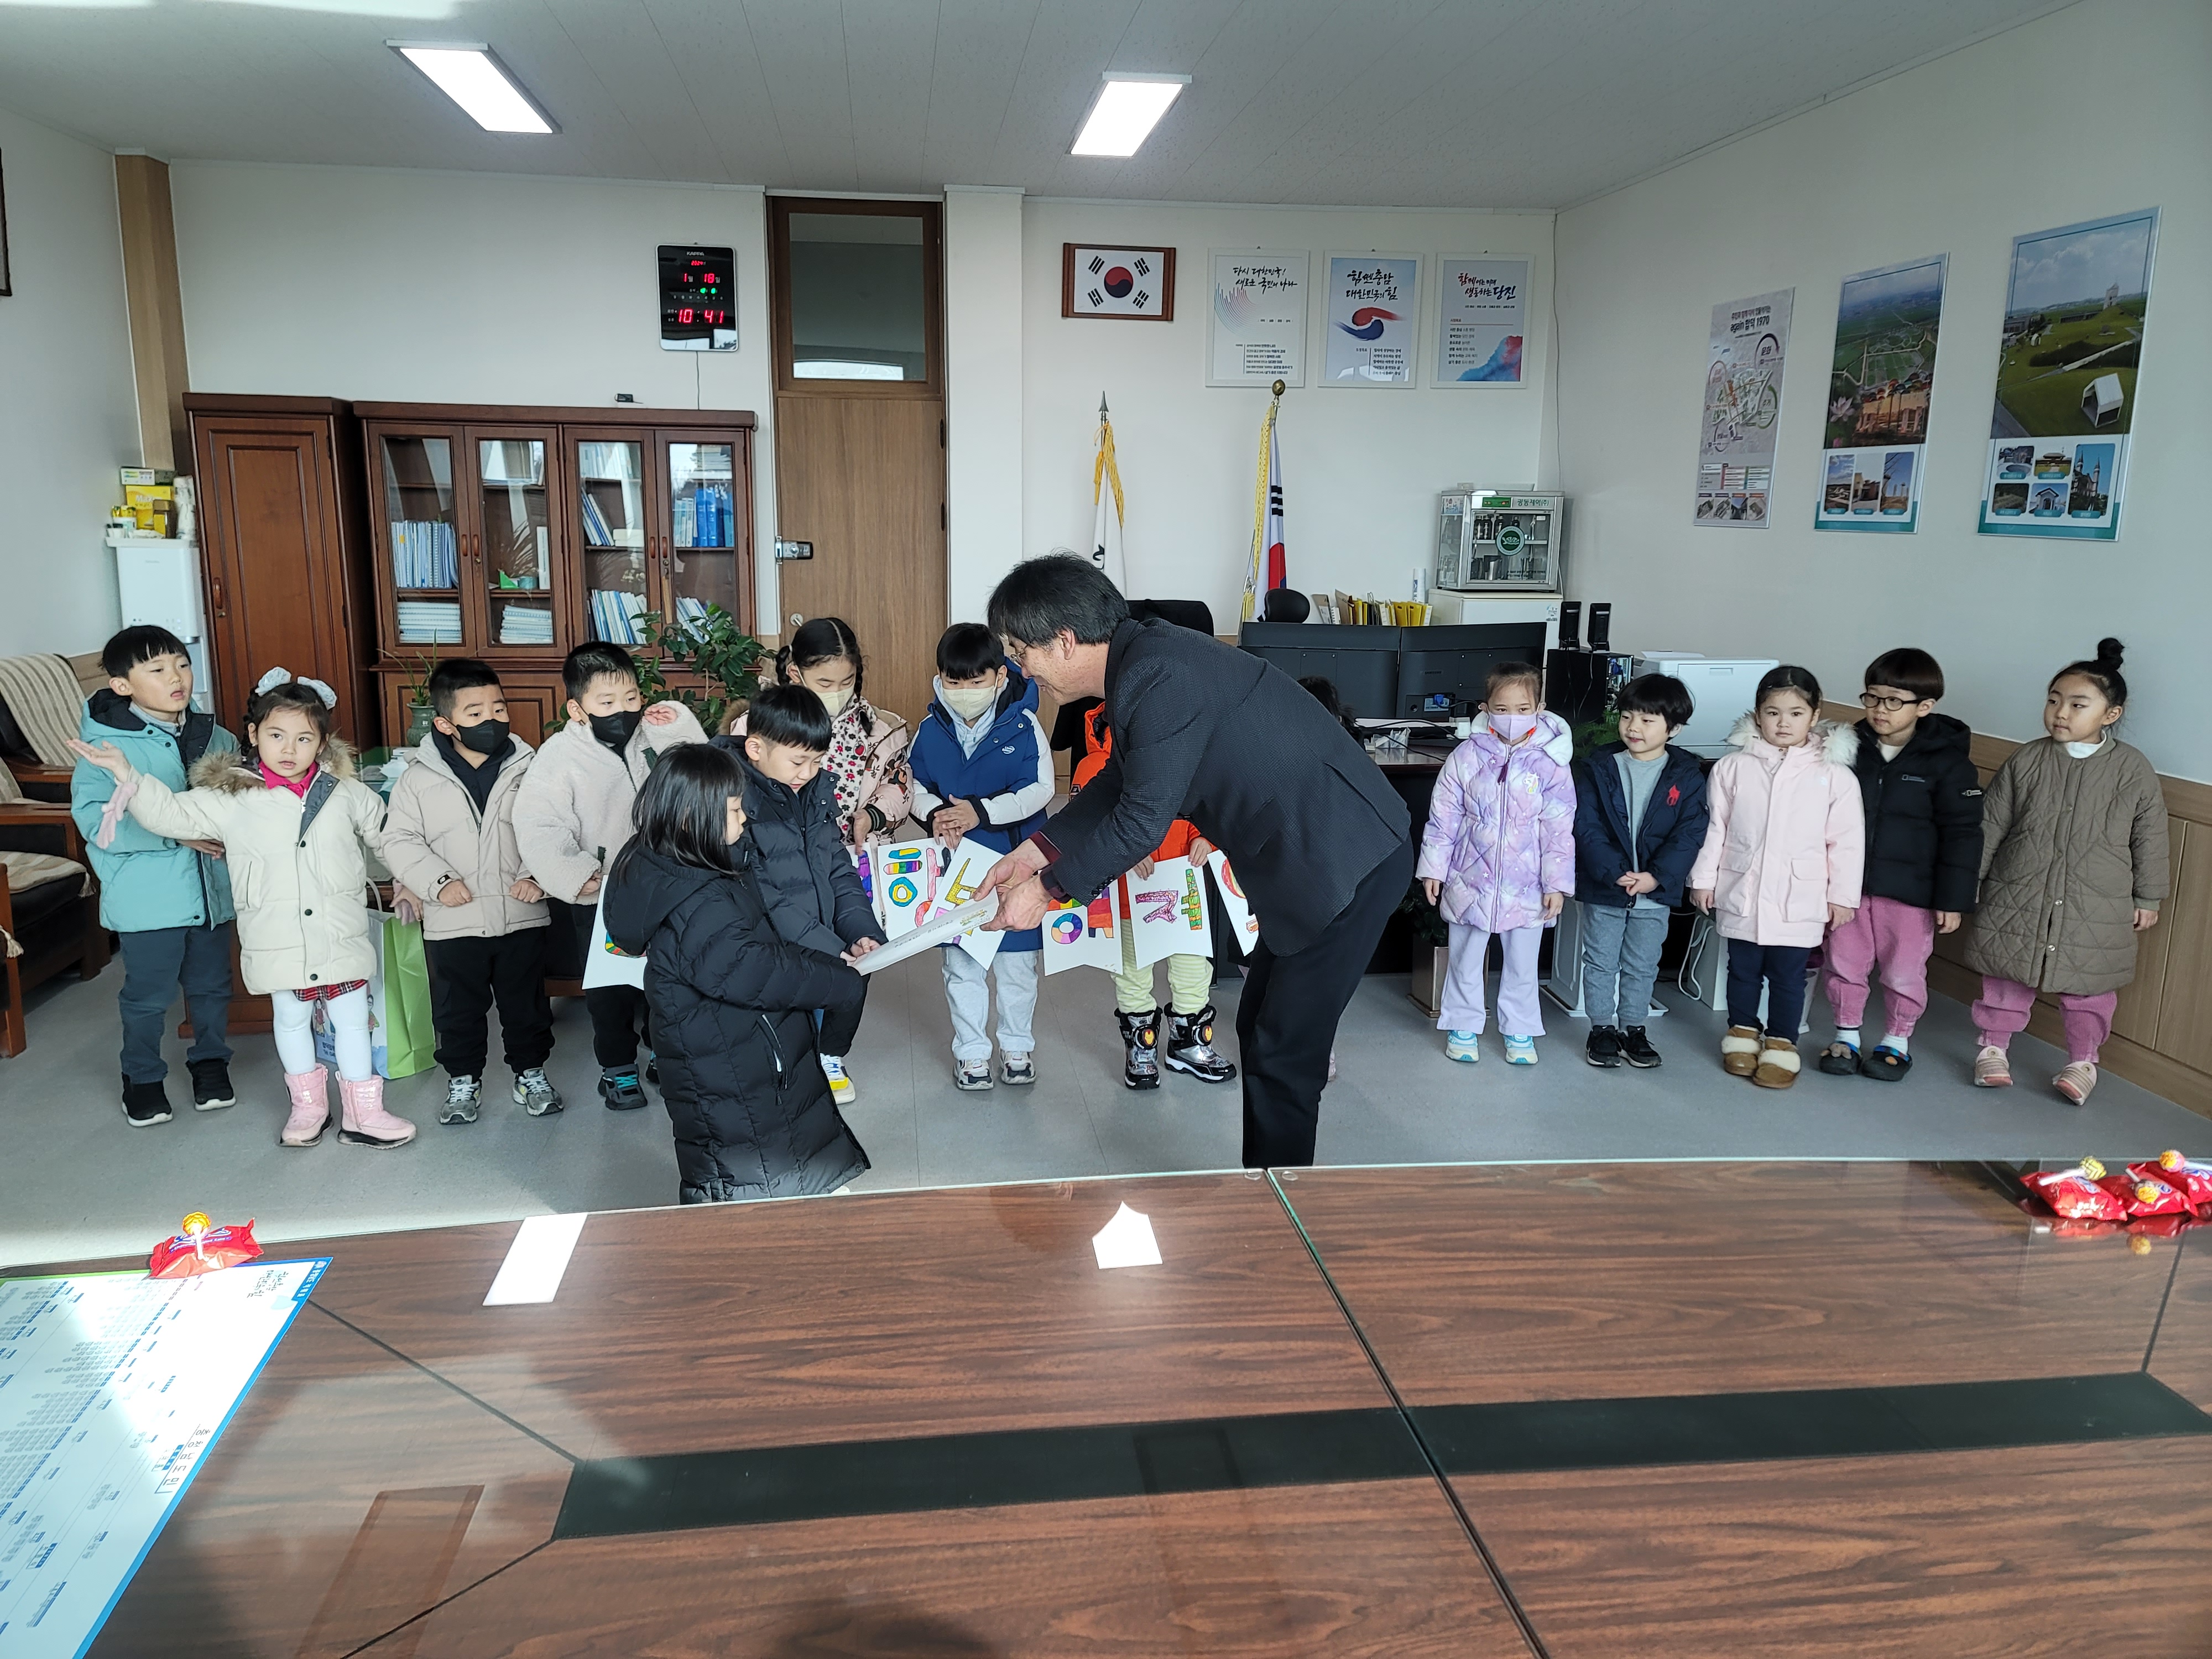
1473, 103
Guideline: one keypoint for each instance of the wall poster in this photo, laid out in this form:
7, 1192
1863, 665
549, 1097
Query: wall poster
1255, 333
1876, 447
1482, 319
2066, 378
1744, 356
1373, 319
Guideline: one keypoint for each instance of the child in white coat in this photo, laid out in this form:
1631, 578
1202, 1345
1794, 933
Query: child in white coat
293, 821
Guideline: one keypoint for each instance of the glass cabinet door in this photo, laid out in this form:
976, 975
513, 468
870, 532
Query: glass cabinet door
415, 472
612, 512
515, 552
704, 512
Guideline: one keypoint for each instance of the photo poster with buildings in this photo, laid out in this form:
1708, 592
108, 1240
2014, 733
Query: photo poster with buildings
1257, 331
1875, 448
2074, 308
1167, 911
1084, 935
1482, 321
1744, 356
1373, 322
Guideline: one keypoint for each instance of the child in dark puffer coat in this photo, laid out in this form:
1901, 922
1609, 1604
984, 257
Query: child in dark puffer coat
732, 1002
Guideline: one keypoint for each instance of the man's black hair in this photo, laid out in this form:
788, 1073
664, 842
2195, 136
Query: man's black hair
587, 662
456, 675
1908, 668
1657, 694
1039, 597
141, 643
969, 649
789, 714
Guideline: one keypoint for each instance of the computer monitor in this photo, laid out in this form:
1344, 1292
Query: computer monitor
1443, 672
1361, 662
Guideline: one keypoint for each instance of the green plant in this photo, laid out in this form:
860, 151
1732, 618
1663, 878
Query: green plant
713, 647
1428, 921
419, 670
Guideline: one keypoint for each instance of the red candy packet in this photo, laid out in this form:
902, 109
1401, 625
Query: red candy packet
2072, 1195
201, 1249
2138, 1196
2193, 1181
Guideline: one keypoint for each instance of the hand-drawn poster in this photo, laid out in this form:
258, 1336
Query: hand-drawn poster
1875, 449
1080, 935
2066, 378
1743, 406
1482, 319
1256, 331
965, 866
1373, 319
1167, 911
906, 878
1234, 904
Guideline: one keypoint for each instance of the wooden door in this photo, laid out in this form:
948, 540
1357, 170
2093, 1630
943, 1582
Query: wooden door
274, 563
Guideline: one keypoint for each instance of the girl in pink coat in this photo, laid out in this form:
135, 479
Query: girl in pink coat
1784, 854
1498, 856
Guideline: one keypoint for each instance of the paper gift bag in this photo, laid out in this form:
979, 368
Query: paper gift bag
406, 1038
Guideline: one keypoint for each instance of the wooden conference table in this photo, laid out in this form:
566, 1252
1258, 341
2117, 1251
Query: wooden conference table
1574, 1411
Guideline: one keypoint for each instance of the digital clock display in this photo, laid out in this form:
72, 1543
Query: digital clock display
698, 294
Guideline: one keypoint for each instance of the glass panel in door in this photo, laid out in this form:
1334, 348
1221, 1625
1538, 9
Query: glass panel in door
859, 297
611, 513
518, 542
702, 512
417, 474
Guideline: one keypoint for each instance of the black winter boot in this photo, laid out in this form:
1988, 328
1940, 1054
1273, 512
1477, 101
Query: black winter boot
1190, 1047
1142, 1069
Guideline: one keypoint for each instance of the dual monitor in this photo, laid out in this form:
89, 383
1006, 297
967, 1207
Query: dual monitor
1397, 673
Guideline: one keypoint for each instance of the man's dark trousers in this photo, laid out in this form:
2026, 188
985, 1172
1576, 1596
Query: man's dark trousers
467, 976
1286, 1018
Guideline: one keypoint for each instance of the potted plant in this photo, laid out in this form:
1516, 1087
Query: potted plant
1432, 948
712, 647
419, 711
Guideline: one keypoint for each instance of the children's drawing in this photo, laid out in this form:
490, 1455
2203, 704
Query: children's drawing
906, 882
1079, 935
1234, 904
1167, 913
965, 866
603, 964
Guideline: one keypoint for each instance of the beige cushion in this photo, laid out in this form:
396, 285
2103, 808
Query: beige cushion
43, 694
29, 870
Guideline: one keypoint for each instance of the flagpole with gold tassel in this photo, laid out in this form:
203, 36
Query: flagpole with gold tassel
1267, 512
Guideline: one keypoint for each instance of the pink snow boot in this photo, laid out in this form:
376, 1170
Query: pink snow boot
367, 1123
311, 1107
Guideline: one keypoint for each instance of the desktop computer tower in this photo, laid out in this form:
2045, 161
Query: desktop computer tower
1579, 685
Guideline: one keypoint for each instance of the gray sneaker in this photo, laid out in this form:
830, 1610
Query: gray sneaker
971, 1074
463, 1096
1017, 1072
535, 1094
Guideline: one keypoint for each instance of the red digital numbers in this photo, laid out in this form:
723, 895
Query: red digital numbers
683, 313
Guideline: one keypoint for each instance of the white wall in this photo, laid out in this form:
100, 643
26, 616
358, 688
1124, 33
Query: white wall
69, 404
983, 391
1958, 156
419, 287
1361, 465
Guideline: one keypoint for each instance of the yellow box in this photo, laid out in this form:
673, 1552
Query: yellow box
154, 506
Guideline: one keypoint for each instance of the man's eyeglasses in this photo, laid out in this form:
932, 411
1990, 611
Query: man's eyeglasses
1888, 705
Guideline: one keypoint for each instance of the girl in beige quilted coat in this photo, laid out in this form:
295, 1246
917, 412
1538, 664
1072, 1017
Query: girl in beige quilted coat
2074, 866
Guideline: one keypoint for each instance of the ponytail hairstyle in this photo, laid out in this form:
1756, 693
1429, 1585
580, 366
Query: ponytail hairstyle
302, 695
1514, 673
682, 812
825, 639
1790, 678
2101, 671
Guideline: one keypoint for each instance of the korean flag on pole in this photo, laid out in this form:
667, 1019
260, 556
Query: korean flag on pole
1106, 498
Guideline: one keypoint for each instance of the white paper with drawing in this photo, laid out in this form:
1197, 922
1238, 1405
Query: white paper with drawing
1234, 904
1084, 935
1167, 913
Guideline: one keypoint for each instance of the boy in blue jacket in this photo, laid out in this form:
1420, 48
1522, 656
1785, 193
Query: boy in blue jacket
1639, 822
168, 901
982, 767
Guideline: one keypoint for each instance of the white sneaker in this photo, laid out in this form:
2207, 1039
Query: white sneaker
840, 1086
1463, 1046
971, 1074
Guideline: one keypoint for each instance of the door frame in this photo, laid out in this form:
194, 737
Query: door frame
932, 215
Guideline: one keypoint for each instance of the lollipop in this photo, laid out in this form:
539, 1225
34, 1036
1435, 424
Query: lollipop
2074, 1194
2191, 1179
201, 1247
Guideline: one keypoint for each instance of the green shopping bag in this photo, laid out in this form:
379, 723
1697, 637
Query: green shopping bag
409, 1040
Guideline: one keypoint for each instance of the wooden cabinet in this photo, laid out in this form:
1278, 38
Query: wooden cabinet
281, 529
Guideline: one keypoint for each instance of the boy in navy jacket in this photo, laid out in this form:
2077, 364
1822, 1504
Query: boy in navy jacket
1639, 822
982, 767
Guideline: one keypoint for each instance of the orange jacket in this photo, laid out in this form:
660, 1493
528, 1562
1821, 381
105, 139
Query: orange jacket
1097, 745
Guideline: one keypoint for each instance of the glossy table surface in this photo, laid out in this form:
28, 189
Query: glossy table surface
1846, 1408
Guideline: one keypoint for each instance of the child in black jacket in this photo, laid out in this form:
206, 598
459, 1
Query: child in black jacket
1640, 821
732, 1001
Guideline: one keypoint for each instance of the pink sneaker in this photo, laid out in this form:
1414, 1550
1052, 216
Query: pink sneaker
367, 1123
311, 1107
2075, 1080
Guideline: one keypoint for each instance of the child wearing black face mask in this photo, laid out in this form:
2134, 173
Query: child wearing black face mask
571, 815
449, 840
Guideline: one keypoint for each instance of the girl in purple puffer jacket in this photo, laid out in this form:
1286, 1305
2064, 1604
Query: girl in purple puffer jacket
1498, 857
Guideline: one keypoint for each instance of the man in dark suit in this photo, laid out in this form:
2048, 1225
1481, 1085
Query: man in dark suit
1320, 842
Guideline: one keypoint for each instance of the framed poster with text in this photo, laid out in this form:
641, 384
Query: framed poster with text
1482, 320
1744, 354
1372, 320
1255, 332
1875, 445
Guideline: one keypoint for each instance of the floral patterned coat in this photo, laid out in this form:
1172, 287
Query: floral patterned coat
1501, 829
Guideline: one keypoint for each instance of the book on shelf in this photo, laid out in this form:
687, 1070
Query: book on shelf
597, 531
429, 621
425, 553
691, 611
524, 624
615, 616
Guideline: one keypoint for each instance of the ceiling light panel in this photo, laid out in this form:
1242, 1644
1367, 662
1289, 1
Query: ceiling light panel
1125, 111
475, 79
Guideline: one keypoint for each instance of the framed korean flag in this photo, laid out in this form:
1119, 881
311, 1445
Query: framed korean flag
1130, 284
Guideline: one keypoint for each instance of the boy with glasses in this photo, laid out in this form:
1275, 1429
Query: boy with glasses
1924, 857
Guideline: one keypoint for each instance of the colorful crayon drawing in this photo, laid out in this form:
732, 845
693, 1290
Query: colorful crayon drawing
906, 887
1079, 935
1167, 916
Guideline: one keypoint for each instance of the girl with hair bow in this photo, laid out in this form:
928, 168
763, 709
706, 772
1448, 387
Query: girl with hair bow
294, 821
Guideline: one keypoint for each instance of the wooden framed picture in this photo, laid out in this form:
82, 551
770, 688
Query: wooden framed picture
1127, 284
7, 286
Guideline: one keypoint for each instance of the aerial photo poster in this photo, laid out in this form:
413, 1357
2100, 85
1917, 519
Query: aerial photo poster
1876, 442
1743, 405
2066, 378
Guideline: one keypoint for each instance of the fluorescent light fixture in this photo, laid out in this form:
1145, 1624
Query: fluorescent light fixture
473, 78
1127, 109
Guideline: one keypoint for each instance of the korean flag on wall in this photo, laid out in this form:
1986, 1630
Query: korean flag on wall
1120, 282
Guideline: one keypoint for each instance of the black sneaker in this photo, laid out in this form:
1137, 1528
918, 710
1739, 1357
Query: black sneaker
145, 1104
212, 1090
1636, 1049
1603, 1048
621, 1090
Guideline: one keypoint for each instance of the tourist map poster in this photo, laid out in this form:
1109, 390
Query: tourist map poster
1744, 356
1482, 321
113, 1389
1255, 333
1875, 450
2074, 308
1373, 319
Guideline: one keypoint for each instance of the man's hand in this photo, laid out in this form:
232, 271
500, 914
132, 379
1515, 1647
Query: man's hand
1023, 861
1141, 868
455, 893
1702, 897
952, 821
1201, 849
1553, 903
1432, 886
1840, 915
1022, 904
1946, 921
1637, 883
590, 887
860, 948
526, 890
663, 714
212, 848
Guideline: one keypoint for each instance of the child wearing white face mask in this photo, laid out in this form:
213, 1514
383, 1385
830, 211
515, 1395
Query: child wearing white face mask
1498, 856
867, 744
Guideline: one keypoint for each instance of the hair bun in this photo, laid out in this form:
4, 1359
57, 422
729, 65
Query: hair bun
2109, 652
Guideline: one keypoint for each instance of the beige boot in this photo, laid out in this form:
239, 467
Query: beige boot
1778, 1063
1739, 1050
367, 1123
310, 1107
